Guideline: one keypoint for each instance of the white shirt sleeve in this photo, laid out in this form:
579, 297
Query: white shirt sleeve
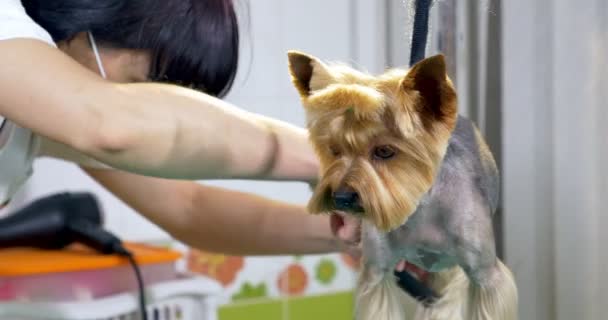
15, 23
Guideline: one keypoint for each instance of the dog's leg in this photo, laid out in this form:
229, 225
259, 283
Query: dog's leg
492, 294
378, 297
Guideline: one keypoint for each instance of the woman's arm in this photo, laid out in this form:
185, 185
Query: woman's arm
219, 220
152, 129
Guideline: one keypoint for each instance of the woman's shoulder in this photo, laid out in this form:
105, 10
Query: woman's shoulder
15, 23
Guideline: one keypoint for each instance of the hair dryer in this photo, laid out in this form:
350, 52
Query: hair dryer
56, 221
61, 219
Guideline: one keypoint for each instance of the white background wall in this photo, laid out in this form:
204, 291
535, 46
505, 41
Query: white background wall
555, 155
342, 30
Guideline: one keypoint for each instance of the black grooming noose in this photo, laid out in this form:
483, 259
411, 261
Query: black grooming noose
406, 281
420, 30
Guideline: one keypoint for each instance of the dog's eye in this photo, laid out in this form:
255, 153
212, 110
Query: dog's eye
334, 151
384, 152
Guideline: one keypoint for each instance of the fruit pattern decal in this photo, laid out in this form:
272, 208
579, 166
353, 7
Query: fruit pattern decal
251, 291
350, 261
217, 266
293, 280
325, 272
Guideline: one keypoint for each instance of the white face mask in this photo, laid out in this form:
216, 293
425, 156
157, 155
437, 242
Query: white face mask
97, 56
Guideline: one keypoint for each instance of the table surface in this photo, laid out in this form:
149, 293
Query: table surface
31, 261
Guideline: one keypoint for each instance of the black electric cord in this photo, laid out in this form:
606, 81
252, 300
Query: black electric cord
107, 243
120, 250
140, 284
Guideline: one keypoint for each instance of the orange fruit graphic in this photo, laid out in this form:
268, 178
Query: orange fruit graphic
293, 280
217, 266
350, 261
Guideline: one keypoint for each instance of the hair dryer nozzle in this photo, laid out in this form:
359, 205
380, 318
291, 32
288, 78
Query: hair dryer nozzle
45, 223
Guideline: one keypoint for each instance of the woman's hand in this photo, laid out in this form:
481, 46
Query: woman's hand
353, 249
347, 231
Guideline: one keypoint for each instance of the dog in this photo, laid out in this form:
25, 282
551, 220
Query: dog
418, 179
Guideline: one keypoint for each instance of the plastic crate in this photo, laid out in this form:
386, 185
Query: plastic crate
79, 273
191, 298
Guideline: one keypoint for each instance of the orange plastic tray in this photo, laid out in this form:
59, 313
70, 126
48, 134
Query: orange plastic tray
30, 261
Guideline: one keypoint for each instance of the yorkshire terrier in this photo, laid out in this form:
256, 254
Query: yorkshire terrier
419, 180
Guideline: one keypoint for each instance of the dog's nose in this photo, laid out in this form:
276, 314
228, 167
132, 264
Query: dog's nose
344, 200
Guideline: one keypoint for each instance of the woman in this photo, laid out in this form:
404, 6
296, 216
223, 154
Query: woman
135, 135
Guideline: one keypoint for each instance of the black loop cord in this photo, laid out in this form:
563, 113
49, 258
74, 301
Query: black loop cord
420, 30
405, 280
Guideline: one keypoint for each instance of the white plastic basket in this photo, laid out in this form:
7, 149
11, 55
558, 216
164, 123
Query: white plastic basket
193, 298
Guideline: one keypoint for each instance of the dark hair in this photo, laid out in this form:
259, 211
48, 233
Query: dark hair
193, 43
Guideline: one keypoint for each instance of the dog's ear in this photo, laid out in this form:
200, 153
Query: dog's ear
308, 73
438, 97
